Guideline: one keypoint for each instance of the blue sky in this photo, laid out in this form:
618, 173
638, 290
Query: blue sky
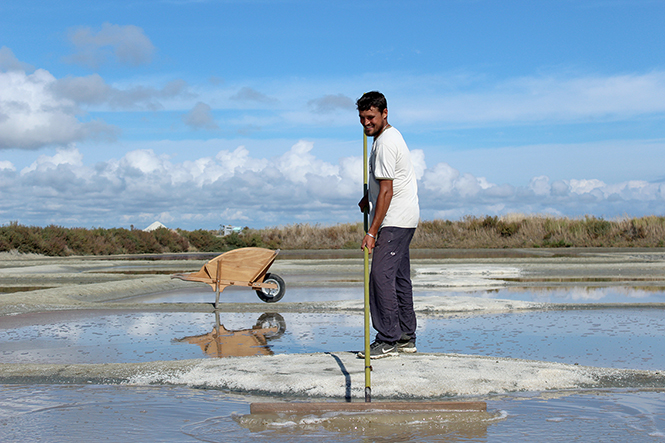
201, 113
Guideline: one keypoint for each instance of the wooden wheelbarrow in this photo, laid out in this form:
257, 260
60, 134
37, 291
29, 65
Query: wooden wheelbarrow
241, 267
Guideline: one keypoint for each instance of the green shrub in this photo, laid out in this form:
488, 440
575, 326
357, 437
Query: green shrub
597, 227
507, 229
206, 241
513, 231
171, 241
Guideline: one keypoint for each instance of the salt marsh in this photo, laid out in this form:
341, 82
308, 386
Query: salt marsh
551, 342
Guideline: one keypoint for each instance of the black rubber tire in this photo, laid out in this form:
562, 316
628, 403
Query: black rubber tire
272, 295
270, 320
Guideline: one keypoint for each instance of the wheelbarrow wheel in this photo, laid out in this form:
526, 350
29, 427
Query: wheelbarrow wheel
271, 320
270, 295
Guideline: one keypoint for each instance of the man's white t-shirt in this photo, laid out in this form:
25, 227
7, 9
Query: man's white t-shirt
390, 159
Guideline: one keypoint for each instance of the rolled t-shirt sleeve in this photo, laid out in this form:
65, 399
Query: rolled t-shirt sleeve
384, 163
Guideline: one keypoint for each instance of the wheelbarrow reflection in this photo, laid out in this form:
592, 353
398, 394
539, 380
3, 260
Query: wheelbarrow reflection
222, 342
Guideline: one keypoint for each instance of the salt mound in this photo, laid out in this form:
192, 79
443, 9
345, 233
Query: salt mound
404, 377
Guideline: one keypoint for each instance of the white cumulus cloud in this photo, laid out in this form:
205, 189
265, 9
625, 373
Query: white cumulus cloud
296, 186
31, 116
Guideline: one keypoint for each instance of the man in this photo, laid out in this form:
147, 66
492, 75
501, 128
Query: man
394, 215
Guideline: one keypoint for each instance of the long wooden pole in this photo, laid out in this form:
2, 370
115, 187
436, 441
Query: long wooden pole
368, 366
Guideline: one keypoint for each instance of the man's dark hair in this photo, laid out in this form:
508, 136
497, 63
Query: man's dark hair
372, 98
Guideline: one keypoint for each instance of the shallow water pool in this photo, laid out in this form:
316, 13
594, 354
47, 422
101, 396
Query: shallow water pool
619, 337
572, 294
57, 413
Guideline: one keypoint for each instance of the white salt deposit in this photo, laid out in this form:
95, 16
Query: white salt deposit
444, 304
459, 276
407, 376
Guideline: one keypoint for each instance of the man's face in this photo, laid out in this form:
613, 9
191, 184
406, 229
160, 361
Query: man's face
373, 121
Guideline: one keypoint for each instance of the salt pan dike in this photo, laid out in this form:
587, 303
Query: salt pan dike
111, 285
338, 375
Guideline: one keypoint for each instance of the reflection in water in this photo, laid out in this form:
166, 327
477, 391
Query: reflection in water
222, 342
122, 413
393, 426
564, 294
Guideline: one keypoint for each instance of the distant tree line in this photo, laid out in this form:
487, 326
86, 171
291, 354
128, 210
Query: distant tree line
58, 241
513, 231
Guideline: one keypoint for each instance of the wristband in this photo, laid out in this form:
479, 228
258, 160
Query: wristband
371, 236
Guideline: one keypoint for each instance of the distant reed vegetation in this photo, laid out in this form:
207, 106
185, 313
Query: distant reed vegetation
513, 231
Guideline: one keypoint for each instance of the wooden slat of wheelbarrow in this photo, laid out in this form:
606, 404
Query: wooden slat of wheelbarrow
242, 265
253, 285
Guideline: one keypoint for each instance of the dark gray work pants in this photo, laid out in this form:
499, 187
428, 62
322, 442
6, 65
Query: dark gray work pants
390, 293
